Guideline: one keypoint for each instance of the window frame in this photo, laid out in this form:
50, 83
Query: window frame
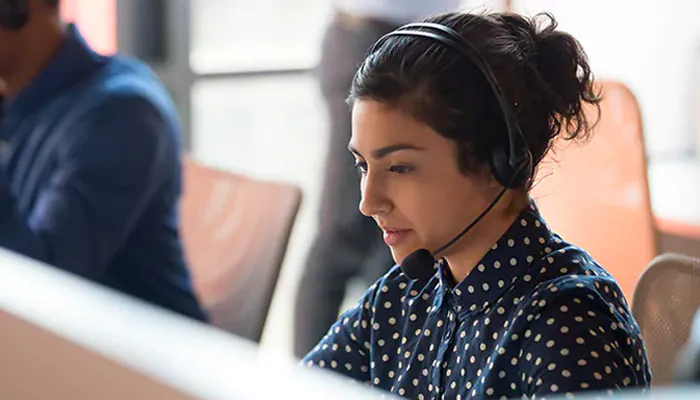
175, 70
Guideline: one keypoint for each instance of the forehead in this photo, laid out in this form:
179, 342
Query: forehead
377, 124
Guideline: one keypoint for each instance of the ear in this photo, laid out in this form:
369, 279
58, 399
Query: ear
489, 179
493, 183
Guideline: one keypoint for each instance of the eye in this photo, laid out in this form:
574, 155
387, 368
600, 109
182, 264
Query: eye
361, 167
400, 169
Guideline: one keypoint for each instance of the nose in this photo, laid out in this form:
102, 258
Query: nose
374, 199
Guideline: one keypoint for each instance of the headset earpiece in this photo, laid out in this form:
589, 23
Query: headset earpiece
511, 171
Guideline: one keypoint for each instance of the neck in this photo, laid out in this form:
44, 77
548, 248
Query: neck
485, 234
40, 40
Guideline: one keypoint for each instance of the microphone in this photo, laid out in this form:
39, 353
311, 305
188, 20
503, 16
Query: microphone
420, 264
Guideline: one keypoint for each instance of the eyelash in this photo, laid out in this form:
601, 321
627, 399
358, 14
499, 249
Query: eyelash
361, 168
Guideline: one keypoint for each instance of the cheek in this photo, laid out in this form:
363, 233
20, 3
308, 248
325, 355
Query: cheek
429, 213
439, 216
442, 212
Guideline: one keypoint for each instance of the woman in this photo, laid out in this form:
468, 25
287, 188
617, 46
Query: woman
347, 245
512, 309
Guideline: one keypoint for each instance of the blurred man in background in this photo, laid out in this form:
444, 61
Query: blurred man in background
90, 172
348, 245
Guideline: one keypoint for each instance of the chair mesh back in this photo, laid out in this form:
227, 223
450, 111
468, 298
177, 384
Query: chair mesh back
665, 302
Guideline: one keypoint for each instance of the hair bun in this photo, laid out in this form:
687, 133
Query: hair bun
563, 67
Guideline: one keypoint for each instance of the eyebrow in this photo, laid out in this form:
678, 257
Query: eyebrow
385, 151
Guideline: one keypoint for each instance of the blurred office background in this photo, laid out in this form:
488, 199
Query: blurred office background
242, 74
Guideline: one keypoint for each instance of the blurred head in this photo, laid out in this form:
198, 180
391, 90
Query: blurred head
426, 122
40, 16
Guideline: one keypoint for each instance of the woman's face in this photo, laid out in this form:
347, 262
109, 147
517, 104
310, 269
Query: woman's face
411, 183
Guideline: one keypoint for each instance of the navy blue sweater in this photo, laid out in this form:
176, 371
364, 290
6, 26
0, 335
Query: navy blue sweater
90, 175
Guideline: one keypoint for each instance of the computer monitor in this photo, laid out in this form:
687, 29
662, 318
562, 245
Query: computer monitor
64, 337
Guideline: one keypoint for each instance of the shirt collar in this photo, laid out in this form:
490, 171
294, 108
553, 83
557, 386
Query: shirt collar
501, 267
73, 61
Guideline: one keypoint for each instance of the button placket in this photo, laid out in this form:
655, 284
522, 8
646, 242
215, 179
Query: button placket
444, 347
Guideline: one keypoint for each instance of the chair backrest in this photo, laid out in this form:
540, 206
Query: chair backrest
665, 303
596, 195
235, 231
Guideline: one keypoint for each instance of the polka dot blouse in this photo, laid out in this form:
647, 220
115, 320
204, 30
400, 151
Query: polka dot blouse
537, 316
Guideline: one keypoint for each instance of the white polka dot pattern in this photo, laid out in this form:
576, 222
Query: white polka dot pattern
537, 316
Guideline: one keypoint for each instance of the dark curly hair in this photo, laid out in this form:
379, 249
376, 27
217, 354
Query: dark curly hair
543, 72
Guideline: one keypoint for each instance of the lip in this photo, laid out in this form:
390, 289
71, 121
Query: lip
394, 237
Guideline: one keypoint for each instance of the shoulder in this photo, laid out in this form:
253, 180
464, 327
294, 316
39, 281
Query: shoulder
580, 291
565, 267
120, 115
567, 277
121, 105
125, 89
575, 303
583, 325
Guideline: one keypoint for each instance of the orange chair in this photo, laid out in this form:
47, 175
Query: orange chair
596, 195
235, 232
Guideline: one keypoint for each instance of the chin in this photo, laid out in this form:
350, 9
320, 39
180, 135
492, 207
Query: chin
399, 254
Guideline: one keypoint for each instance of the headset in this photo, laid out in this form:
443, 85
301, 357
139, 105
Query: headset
14, 14
511, 165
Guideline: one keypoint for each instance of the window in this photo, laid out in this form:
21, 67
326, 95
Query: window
253, 86
263, 126
240, 35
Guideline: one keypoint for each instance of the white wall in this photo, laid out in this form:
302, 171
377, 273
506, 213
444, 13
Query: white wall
651, 46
